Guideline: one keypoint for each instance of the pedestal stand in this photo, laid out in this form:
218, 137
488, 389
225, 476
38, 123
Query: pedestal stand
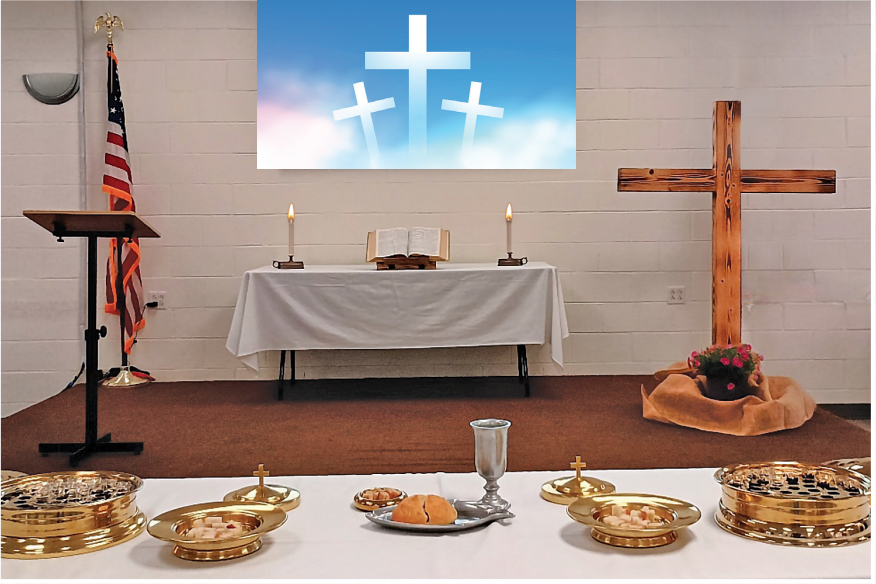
91, 226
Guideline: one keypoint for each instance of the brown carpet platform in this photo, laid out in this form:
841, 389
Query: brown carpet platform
324, 427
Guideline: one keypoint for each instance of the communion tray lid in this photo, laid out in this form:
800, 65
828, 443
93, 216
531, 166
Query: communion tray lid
285, 498
566, 490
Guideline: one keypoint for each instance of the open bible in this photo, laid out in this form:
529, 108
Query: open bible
430, 242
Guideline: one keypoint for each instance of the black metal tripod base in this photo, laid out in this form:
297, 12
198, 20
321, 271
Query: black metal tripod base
81, 450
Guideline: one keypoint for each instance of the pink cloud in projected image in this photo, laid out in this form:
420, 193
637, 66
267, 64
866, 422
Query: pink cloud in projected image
296, 138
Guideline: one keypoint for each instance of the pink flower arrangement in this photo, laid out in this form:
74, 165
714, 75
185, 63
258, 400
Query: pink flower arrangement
736, 363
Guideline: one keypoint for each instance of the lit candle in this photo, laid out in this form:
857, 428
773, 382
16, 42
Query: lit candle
508, 228
291, 217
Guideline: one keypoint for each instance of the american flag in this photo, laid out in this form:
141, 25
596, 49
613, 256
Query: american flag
117, 184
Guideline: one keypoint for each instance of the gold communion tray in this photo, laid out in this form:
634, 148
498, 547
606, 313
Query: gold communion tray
675, 514
565, 491
67, 513
286, 498
6, 475
861, 465
258, 519
794, 503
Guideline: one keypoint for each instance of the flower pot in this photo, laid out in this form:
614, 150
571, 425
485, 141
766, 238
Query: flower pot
717, 388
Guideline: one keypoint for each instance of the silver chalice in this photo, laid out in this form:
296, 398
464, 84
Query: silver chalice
491, 459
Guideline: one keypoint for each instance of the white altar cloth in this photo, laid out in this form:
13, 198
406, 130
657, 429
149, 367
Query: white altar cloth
357, 307
326, 537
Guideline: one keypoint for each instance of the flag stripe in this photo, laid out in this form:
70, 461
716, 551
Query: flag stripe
117, 181
119, 163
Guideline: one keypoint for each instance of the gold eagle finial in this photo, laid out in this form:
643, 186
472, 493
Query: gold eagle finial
109, 21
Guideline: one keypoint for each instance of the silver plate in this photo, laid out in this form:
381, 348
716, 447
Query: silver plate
470, 515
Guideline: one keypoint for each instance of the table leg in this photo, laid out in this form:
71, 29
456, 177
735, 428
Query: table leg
282, 379
523, 367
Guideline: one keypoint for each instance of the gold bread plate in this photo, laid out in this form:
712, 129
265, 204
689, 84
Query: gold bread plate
675, 513
260, 518
794, 503
67, 513
364, 504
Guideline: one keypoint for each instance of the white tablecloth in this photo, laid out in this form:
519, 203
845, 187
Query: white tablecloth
357, 307
327, 538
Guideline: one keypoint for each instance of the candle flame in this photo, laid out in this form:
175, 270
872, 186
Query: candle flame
508, 213
291, 214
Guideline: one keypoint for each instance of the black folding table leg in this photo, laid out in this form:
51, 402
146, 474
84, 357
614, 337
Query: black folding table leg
282, 375
282, 380
523, 367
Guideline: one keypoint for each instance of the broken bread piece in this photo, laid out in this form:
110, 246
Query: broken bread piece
425, 509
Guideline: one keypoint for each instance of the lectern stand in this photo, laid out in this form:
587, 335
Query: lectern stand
91, 225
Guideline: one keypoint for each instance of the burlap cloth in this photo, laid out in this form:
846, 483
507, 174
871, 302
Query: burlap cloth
778, 403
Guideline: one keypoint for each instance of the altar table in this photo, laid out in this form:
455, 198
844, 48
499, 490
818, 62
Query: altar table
326, 537
357, 307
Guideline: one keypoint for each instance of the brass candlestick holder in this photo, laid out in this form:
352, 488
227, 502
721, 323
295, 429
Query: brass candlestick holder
512, 261
285, 498
566, 490
290, 265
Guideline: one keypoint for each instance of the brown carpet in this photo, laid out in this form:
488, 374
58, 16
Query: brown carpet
394, 426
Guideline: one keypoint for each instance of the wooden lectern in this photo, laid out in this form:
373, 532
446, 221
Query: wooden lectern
91, 225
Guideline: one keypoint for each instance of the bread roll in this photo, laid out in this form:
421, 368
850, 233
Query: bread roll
424, 509
440, 512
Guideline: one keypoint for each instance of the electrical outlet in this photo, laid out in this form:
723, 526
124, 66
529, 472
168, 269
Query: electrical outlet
676, 295
158, 297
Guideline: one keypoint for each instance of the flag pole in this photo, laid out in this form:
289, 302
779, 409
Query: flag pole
125, 378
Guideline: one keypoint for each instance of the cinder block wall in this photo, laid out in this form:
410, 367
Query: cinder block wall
41, 287
648, 73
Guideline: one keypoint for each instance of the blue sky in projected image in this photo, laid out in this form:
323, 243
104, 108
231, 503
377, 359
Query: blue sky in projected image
311, 53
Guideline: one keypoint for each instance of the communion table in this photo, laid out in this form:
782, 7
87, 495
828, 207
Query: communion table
327, 538
357, 307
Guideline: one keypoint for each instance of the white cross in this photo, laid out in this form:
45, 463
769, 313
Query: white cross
363, 109
472, 109
417, 61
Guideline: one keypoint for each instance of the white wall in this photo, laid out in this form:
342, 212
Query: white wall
648, 73
42, 343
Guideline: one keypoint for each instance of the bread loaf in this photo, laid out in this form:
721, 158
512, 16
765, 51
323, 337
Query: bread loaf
424, 509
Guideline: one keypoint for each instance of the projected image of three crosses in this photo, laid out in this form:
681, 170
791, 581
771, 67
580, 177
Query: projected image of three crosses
417, 61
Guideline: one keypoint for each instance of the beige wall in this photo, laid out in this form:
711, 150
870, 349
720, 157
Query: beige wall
647, 74
41, 286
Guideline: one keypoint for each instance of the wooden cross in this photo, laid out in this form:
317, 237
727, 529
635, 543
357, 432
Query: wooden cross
261, 473
726, 182
578, 465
